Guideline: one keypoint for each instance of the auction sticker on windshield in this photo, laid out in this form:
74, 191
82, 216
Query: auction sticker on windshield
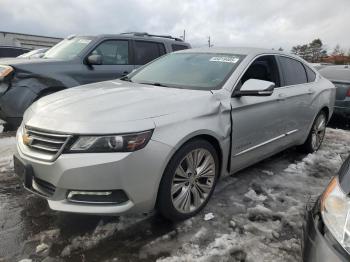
225, 59
84, 41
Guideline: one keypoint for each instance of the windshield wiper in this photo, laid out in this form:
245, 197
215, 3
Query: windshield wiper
125, 78
153, 84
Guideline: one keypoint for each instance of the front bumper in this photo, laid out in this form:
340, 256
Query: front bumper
318, 246
137, 174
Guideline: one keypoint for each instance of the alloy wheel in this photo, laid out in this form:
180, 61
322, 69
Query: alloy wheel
193, 180
318, 132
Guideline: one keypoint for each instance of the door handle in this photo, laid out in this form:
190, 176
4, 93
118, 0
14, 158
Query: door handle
310, 91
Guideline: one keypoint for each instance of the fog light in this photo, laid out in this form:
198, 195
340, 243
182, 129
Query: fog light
97, 197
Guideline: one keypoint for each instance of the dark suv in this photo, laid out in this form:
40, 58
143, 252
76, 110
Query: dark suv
77, 60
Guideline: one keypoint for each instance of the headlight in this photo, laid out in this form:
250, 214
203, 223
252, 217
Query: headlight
5, 71
335, 209
111, 143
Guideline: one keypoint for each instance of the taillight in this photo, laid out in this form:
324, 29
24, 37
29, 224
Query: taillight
348, 93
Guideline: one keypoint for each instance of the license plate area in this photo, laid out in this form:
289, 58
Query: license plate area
30, 182
24, 172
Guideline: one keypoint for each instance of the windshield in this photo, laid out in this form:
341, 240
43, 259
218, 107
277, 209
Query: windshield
68, 48
202, 71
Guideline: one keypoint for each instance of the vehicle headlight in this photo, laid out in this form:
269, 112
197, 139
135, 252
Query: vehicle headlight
335, 210
5, 71
111, 143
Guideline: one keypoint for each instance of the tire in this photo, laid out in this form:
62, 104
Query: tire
184, 190
316, 135
9, 127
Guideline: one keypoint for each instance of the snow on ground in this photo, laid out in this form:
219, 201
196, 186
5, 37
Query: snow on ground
255, 215
1, 126
102, 232
7, 146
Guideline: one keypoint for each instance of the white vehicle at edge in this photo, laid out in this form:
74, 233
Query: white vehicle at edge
162, 136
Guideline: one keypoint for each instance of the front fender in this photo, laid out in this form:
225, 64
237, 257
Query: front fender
16, 100
36, 84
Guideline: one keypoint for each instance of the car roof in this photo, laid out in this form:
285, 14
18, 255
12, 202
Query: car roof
253, 51
336, 73
140, 36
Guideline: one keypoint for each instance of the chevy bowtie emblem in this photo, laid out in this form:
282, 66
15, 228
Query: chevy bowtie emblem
27, 140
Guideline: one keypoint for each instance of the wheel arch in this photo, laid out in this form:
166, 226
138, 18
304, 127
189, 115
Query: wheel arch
324, 109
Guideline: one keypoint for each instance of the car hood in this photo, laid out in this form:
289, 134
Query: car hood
29, 65
22, 61
109, 107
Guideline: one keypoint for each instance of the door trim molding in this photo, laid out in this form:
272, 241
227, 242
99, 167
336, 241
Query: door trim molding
266, 142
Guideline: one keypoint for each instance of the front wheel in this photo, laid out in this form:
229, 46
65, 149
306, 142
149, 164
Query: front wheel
188, 181
316, 135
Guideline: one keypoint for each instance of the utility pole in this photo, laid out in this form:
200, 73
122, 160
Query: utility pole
209, 42
183, 36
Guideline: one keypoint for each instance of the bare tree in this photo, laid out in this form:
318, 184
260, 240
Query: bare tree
311, 52
336, 50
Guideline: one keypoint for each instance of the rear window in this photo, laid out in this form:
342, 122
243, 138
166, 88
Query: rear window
311, 75
293, 71
148, 51
177, 47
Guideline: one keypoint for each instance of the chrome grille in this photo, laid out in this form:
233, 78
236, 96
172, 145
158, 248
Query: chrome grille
44, 145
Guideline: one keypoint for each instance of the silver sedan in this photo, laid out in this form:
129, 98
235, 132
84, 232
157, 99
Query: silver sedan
162, 136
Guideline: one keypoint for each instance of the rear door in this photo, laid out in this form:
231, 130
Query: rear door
299, 89
116, 61
146, 51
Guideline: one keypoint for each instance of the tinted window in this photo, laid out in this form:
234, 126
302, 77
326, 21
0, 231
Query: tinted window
176, 47
148, 51
202, 71
293, 71
113, 52
263, 68
311, 76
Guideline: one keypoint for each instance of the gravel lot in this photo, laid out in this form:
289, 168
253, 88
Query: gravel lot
255, 215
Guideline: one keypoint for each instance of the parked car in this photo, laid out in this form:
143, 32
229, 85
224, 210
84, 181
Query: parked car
340, 76
36, 53
319, 66
75, 61
163, 135
12, 51
327, 222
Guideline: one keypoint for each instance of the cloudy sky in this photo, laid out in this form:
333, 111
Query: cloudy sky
263, 23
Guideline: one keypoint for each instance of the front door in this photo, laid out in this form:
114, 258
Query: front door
116, 62
257, 121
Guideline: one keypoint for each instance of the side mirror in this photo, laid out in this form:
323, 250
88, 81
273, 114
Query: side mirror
94, 60
255, 87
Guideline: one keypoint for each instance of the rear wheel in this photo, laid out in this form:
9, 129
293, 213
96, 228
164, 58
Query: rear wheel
316, 135
189, 180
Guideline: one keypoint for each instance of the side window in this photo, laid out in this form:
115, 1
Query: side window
148, 51
177, 47
263, 68
311, 75
113, 52
293, 71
